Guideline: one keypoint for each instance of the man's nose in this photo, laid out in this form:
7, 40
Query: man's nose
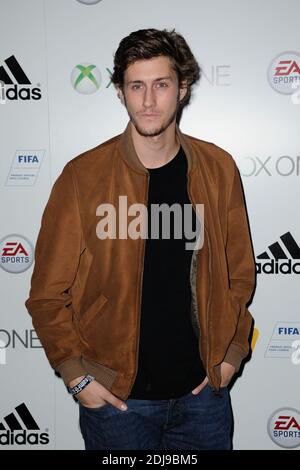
149, 97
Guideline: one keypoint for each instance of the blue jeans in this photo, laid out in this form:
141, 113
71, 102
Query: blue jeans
191, 422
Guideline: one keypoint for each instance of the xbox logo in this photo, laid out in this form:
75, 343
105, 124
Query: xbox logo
89, 2
86, 78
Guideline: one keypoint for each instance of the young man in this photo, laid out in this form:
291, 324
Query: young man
146, 332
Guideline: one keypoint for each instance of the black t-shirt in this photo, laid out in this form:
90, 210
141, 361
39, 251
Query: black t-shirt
169, 363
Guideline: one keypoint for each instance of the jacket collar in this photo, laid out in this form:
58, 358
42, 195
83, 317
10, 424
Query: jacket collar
130, 156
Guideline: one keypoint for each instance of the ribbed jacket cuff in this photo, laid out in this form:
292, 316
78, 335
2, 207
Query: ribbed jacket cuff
234, 356
71, 369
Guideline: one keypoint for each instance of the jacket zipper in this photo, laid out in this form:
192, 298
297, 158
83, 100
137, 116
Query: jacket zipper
140, 301
209, 297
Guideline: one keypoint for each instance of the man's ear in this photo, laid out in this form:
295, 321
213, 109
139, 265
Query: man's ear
182, 89
120, 94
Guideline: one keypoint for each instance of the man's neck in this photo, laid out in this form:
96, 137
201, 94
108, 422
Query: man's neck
156, 151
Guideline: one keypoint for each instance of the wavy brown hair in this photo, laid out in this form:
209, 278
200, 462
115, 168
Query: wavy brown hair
149, 43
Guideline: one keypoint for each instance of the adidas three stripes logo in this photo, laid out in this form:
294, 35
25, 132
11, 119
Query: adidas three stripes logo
15, 84
19, 428
13, 420
283, 258
277, 251
16, 70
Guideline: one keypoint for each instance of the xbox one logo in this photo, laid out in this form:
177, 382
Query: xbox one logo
86, 78
89, 2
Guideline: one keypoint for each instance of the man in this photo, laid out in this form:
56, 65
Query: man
145, 332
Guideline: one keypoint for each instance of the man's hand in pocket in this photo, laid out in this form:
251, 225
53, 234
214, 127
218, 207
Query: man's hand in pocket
227, 372
94, 395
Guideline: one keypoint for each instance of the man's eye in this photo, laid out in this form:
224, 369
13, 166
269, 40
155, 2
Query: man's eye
162, 85
136, 87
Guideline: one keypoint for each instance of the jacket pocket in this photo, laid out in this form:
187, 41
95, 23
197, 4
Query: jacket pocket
94, 409
92, 311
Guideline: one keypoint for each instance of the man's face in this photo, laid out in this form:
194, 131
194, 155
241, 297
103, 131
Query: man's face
151, 95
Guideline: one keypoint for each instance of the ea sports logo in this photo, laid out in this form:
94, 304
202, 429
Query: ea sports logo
86, 78
89, 2
16, 254
284, 72
284, 427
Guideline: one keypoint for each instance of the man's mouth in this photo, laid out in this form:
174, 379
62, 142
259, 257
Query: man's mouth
149, 115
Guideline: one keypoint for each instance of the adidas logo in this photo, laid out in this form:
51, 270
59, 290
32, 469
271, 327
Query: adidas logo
15, 431
287, 250
10, 83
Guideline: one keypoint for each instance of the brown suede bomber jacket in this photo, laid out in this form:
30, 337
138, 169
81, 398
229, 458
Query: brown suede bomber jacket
85, 294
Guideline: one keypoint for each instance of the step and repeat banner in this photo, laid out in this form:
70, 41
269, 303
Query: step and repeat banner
248, 102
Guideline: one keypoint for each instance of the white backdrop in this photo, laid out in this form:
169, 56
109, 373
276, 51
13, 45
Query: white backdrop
245, 49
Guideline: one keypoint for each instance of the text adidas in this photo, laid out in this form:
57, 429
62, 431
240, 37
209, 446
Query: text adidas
278, 267
23, 437
15, 92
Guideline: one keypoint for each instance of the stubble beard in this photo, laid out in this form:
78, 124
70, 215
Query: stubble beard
159, 130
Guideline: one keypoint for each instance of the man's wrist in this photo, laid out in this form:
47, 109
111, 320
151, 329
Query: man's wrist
79, 386
76, 381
